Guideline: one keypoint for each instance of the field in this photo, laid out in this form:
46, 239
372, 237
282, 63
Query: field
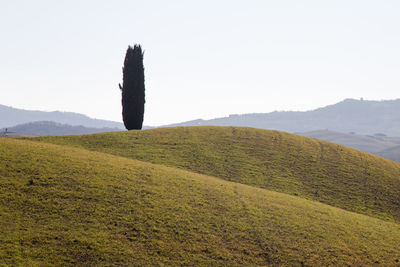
278, 161
67, 205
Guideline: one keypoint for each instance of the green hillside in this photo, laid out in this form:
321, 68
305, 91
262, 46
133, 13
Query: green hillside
278, 161
67, 206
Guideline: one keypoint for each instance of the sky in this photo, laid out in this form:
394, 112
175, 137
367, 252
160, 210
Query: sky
203, 59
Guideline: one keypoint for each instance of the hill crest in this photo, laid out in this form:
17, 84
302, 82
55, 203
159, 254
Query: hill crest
68, 206
278, 161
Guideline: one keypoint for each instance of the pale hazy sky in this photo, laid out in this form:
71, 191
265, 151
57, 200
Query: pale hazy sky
203, 59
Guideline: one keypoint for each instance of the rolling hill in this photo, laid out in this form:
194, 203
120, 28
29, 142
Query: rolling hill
392, 153
378, 144
10, 116
278, 161
68, 206
350, 115
43, 128
14, 134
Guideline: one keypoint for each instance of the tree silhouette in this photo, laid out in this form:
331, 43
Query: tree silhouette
133, 88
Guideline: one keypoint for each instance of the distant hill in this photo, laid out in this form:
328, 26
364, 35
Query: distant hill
10, 116
350, 115
3, 133
41, 128
379, 144
278, 161
65, 206
392, 153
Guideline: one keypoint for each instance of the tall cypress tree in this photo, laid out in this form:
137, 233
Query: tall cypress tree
133, 88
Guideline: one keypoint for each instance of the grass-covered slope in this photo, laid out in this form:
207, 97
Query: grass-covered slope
309, 168
67, 206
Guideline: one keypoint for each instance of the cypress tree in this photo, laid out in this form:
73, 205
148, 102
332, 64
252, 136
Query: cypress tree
133, 88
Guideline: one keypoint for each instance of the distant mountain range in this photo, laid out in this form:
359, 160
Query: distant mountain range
378, 144
358, 124
350, 115
10, 117
43, 128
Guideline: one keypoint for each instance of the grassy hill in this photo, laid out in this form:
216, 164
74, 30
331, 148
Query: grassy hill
67, 206
278, 161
